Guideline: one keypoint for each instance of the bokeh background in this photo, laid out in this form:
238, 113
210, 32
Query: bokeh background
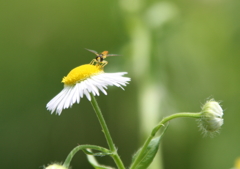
178, 54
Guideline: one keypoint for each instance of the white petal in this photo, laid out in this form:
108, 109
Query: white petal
60, 105
53, 104
70, 98
92, 88
72, 94
80, 89
87, 94
77, 94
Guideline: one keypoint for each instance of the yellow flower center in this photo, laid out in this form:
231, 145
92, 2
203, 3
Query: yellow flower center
81, 73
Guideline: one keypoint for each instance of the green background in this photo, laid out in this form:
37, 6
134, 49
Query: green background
193, 54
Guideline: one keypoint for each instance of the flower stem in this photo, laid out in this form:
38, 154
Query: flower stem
106, 132
156, 129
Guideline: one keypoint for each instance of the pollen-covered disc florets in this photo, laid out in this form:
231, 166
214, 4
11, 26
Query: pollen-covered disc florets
81, 73
84, 80
211, 116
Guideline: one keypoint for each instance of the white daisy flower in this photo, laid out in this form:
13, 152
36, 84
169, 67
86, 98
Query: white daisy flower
83, 80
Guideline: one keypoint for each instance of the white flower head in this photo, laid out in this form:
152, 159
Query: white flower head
211, 117
83, 80
56, 166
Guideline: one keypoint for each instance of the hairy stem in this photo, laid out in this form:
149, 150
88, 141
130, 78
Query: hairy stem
157, 128
106, 132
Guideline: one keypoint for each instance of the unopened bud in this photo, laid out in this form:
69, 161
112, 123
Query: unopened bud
56, 166
211, 117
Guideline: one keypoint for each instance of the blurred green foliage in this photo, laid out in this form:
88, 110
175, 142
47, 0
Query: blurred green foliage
195, 56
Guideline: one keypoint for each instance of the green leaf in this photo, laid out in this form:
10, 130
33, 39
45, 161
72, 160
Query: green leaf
147, 157
101, 154
92, 160
149, 154
86, 149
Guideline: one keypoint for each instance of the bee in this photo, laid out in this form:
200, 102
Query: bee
99, 60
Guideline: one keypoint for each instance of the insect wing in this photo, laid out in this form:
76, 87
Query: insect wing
113, 55
93, 51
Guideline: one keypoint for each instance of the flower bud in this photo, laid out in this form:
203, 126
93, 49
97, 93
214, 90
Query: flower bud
56, 166
211, 116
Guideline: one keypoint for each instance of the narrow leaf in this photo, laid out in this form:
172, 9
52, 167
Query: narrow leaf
147, 157
101, 154
84, 148
92, 160
149, 154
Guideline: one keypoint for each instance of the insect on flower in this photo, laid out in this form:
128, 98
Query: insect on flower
85, 80
99, 60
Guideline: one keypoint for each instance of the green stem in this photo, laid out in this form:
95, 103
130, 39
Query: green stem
83, 147
156, 129
106, 132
